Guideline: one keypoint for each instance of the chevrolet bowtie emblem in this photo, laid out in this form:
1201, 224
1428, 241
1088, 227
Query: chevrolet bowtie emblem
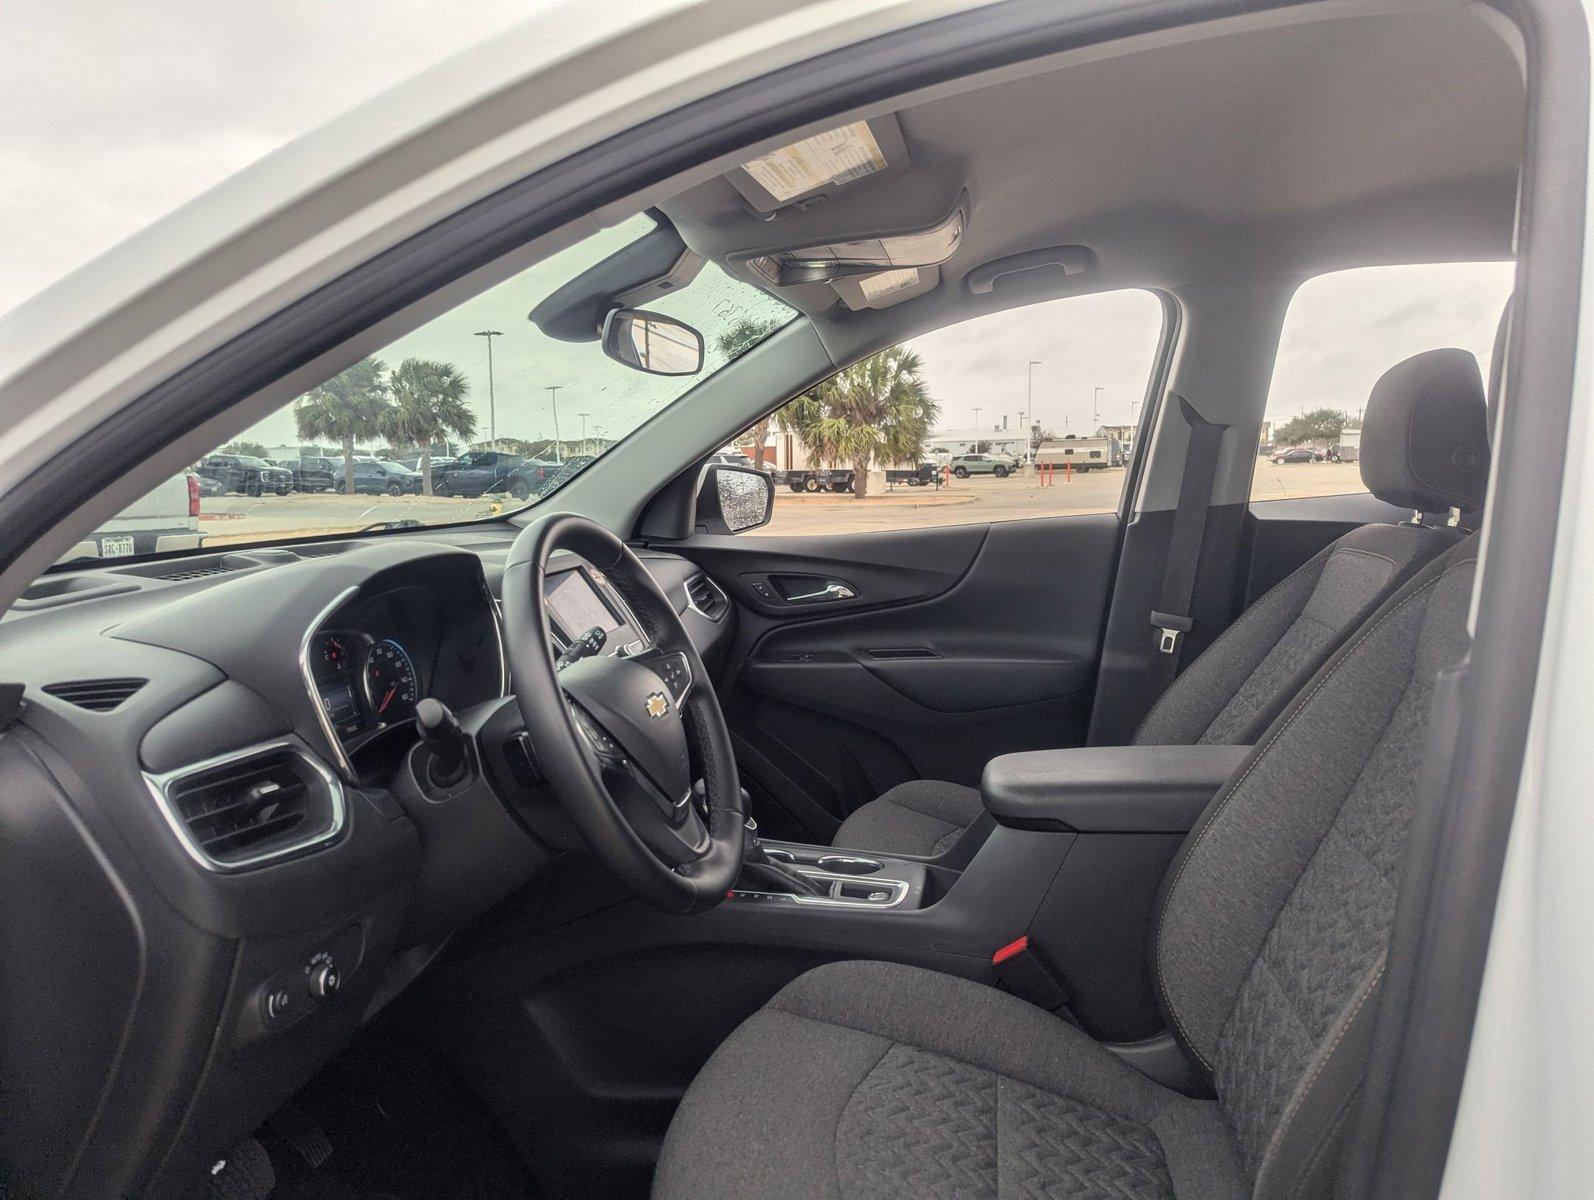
656, 704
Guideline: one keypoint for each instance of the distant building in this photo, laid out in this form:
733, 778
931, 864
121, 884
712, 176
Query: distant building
947, 442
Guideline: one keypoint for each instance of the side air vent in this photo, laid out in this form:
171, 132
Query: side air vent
96, 695
249, 808
704, 596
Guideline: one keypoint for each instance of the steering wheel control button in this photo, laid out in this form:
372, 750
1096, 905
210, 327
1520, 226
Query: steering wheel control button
324, 979
676, 674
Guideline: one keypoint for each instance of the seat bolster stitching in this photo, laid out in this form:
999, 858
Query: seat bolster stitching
1256, 758
1299, 1099
1325, 1142
835, 1134
1368, 553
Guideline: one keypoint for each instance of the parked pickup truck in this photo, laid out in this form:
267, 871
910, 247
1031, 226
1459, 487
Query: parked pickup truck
166, 519
817, 479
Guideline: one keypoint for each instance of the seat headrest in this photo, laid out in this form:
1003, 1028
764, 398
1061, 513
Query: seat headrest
1425, 435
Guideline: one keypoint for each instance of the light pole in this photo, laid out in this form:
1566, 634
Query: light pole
492, 403
976, 420
583, 417
1029, 412
553, 392
1095, 403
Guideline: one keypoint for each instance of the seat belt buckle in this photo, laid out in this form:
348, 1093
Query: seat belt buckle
1021, 970
1172, 629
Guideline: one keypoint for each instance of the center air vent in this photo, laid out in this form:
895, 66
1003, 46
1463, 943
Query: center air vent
96, 695
704, 595
252, 807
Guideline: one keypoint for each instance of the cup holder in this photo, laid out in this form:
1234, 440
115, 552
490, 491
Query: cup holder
846, 864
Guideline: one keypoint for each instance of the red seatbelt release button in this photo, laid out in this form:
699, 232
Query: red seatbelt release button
1023, 971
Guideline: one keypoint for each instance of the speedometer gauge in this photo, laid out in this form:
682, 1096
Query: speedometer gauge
391, 685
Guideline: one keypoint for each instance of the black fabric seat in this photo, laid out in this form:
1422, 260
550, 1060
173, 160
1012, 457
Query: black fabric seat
1425, 416
862, 1081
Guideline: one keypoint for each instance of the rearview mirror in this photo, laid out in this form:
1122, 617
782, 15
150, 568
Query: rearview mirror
651, 342
734, 499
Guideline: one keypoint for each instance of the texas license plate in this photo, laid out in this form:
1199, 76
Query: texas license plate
116, 547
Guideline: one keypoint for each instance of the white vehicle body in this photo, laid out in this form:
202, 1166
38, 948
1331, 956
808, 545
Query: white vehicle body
165, 519
1083, 454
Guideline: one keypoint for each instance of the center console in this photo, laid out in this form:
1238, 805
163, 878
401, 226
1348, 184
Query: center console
844, 879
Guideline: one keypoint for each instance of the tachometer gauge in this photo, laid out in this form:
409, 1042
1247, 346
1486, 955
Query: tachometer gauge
391, 686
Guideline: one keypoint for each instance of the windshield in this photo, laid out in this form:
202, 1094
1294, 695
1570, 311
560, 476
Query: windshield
481, 411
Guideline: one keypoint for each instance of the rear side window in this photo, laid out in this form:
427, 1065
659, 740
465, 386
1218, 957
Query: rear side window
1342, 331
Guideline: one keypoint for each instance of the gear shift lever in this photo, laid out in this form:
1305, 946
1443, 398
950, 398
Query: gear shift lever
446, 741
760, 873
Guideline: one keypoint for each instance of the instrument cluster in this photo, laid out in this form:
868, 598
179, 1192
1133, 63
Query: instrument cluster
364, 684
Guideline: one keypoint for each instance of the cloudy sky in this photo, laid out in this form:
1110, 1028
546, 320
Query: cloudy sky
112, 114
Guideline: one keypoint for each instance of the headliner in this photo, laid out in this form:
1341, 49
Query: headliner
1277, 151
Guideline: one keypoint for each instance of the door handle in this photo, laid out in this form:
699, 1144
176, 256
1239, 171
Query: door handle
831, 592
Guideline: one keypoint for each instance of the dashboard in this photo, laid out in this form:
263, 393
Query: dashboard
216, 752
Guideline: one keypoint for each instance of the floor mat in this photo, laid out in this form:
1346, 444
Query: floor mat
401, 1125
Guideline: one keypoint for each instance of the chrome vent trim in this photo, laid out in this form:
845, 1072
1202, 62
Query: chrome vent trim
334, 743
715, 605
96, 695
165, 787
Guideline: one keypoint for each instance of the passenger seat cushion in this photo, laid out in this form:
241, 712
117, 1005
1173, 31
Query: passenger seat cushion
866, 1080
922, 816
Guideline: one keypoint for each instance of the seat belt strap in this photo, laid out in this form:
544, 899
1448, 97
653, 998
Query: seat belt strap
1171, 617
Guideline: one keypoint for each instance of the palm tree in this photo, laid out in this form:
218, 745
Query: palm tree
429, 405
877, 410
350, 407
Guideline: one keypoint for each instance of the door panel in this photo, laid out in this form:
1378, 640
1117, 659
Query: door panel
960, 644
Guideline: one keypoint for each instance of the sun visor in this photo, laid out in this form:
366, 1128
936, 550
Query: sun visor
654, 265
800, 171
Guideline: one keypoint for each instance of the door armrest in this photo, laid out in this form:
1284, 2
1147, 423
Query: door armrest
1108, 789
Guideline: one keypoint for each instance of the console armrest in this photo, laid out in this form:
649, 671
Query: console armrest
1108, 789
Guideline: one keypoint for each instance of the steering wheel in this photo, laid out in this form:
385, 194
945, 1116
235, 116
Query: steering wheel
621, 738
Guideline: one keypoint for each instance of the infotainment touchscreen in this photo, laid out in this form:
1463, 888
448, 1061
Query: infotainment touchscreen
576, 605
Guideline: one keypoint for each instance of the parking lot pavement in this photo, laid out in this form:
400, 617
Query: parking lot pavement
225, 520
228, 520
1292, 481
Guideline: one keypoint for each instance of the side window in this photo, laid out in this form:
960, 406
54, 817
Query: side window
1341, 332
1029, 412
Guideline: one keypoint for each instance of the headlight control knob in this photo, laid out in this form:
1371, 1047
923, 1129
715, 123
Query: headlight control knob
324, 979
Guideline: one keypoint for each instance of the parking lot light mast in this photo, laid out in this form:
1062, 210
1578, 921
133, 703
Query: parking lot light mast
583, 417
1095, 401
492, 402
1029, 413
553, 392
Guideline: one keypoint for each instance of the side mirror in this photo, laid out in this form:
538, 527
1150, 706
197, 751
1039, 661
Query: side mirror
651, 342
734, 499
